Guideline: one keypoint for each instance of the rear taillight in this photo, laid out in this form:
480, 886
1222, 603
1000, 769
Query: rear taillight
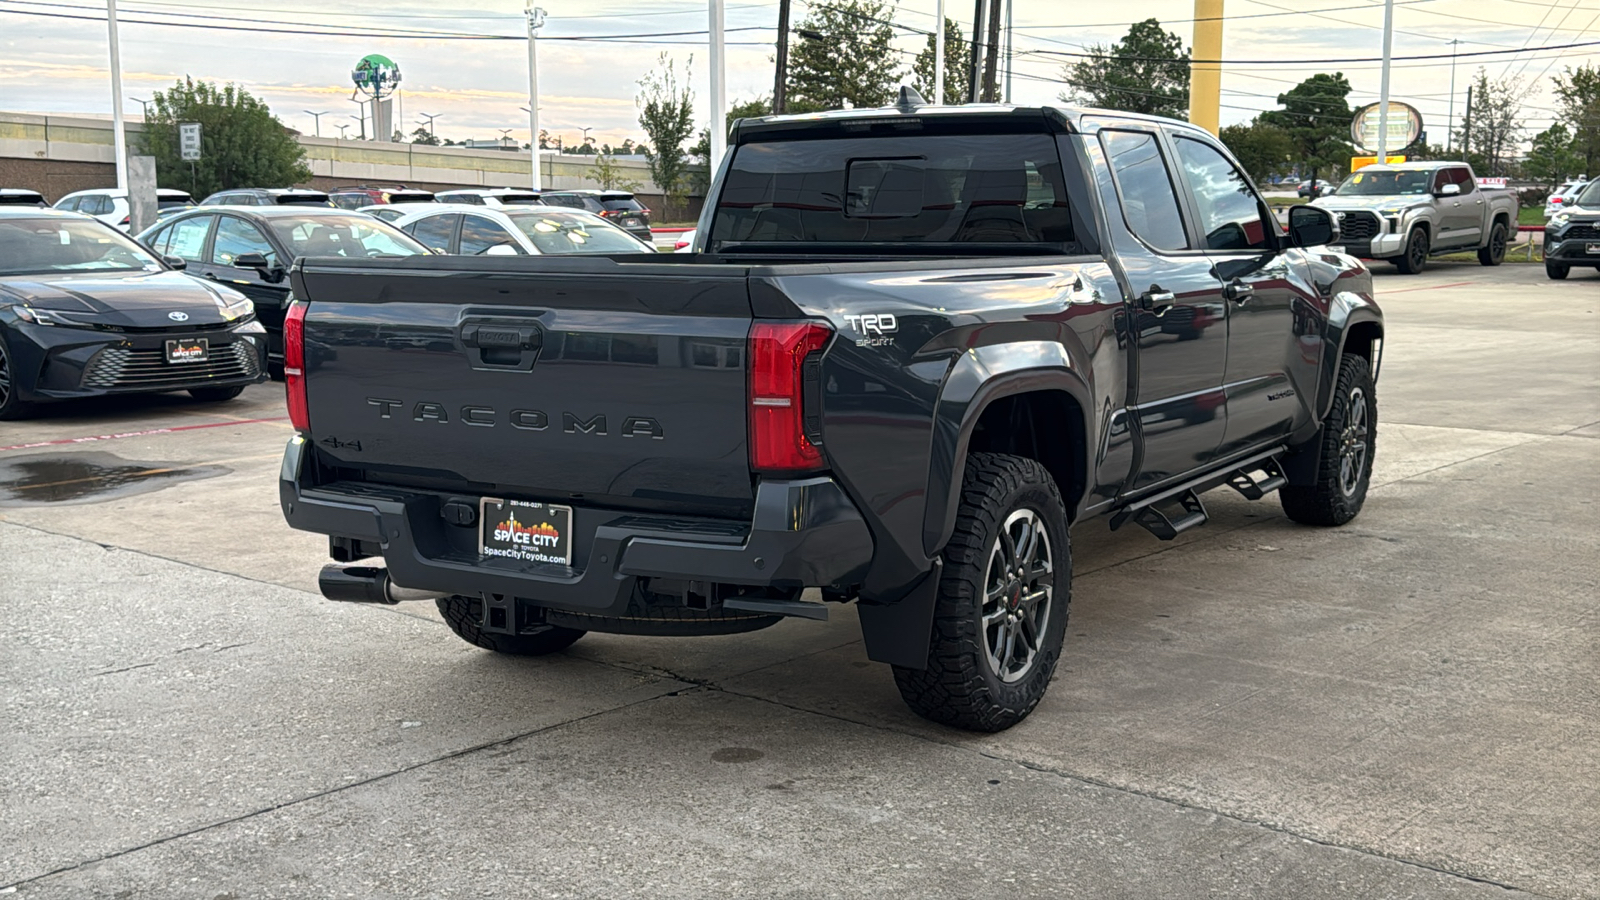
784, 357
679, 246
125, 220
294, 366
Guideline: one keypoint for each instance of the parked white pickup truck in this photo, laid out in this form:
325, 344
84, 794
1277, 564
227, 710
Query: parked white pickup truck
1407, 212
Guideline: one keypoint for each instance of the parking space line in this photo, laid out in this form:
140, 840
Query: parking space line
1431, 287
145, 433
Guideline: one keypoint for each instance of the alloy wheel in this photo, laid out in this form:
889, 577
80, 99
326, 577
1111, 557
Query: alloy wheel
1353, 443
1018, 589
5, 376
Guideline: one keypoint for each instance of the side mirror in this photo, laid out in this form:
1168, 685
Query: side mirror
1312, 226
1449, 190
176, 262
501, 250
258, 261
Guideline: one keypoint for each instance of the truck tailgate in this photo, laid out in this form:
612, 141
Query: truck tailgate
571, 379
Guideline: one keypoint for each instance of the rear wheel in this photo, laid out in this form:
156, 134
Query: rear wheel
1001, 610
463, 615
1494, 253
215, 394
11, 405
1556, 271
1416, 256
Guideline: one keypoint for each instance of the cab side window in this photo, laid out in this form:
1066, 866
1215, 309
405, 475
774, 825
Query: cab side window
1463, 177
1440, 179
1231, 215
236, 237
1149, 203
158, 240
434, 232
479, 234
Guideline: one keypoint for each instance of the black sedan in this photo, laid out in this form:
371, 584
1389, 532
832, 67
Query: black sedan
250, 249
85, 311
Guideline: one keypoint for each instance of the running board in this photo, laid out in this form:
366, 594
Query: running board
1166, 524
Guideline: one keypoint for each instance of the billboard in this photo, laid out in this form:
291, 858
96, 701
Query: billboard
1405, 126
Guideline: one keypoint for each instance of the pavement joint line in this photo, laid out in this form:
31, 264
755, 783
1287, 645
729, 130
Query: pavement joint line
326, 792
1429, 287
1531, 435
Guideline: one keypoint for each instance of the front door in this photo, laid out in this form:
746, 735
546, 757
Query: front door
1263, 287
234, 238
1460, 219
1176, 316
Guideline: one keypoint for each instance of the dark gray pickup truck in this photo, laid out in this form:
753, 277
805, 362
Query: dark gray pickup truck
915, 345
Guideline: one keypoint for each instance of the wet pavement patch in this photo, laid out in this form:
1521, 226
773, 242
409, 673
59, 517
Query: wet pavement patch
69, 478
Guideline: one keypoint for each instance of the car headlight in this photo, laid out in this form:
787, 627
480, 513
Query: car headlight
236, 309
1560, 218
45, 317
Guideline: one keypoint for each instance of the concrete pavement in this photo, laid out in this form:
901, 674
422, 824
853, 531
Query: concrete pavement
1404, 707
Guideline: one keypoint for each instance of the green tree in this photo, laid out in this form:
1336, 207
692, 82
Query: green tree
1579, 92
424, 136
854, 65
1145, 72
242, 144
666, 113
610, 176
1492, 131
1316, 117
1263, 149
1556, 155
957, 63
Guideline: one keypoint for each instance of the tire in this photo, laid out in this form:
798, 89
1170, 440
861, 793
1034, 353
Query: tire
463, 614
12, 407
1495, 253
1556, 271
1416, 256
1347, 442
215, 394
987, 671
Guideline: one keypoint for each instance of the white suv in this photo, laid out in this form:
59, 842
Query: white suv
1563, 196
110, 205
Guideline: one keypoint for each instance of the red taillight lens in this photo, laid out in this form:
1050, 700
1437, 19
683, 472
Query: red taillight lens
294, 366
125, 220
680, 245
778, 353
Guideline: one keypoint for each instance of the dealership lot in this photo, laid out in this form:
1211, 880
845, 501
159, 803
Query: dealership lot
1407, 706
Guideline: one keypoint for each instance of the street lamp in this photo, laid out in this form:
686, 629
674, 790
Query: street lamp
144, 107
341, 126
430, 117
363, 121
361, 106
535, 22
505, 135
317, 118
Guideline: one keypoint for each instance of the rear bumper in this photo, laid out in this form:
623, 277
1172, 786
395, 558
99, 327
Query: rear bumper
803, 533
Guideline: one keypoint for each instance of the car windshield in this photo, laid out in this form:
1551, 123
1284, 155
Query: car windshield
32, 246
337, 235
1387, 184
575, 234
1589, 197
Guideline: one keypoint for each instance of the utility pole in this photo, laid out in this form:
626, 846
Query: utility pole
780, 83
975, 70
1383, 85
1449, 132
535, 22
1466, 127
119, 135
316, 117
938, 57
991, 56
1205, 78
1009, 36
719, 91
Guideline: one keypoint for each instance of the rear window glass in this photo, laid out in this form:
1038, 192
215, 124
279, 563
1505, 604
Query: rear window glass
622, 203
923, 189
518, 199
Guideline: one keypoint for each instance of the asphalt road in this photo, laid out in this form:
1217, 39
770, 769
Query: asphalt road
1403, 707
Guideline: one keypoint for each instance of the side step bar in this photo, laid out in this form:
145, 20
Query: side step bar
1156, 515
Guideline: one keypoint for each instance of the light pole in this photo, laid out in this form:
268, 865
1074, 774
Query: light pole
430, 117
1383, 83
1450, 123
585, 129
144, 107
119, 134
363, 121
505, 135
341, 126
317, 118
719, 94
535, 22
938, 56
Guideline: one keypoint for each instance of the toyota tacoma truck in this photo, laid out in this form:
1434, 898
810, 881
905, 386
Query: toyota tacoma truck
913, 347
1407, 212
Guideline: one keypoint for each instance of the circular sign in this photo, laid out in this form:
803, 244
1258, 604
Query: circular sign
1405, 126
376, 75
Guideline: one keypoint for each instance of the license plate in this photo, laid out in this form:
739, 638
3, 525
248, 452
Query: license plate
188, 351
1591, 248
526, 532
630, 221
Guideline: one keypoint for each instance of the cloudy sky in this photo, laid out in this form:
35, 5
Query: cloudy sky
53, 56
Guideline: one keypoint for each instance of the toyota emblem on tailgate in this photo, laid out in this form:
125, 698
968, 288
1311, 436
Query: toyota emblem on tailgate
178, 316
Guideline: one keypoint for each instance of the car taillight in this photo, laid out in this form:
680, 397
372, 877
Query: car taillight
294, 366
125, 220
679, 246
782, 355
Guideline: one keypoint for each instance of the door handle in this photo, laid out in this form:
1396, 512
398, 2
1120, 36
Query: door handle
1155, 298
1239, 291
213, 276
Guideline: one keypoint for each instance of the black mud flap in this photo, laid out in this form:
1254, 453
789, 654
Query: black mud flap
898, 633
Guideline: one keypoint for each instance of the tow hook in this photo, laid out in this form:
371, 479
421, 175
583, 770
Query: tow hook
366, 584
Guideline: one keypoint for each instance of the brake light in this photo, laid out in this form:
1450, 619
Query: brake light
294, 367
125, 220
778, 368
679, 246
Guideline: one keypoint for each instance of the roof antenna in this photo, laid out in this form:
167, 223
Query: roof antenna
909, 99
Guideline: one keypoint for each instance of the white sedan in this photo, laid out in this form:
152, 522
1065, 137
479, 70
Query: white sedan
458, 229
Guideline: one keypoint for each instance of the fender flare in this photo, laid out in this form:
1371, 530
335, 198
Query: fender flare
1347, 310
979, 378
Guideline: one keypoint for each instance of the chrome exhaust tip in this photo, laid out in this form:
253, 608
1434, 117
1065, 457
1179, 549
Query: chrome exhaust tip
366, 584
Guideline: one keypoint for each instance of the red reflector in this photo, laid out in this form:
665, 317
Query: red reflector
778, 352
294, 366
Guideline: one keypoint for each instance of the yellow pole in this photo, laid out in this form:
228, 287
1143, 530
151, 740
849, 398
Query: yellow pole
1205, 78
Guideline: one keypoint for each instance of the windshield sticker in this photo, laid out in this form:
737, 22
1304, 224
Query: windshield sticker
1356, 179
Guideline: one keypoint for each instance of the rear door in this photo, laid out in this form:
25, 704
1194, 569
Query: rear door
437, 233
1177, 314
586, 381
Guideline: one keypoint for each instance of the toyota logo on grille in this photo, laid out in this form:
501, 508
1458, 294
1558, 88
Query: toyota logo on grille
178, 316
